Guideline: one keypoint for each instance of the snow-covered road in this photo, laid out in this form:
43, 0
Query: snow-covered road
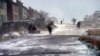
65, 29
58, 42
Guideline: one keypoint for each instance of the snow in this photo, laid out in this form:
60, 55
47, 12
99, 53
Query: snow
16, 34
64, 30
68, 30
23, 44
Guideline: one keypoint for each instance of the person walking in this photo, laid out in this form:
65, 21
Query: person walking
61, 22
49, 27
79, 24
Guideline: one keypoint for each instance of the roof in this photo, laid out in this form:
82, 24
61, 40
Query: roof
24, 7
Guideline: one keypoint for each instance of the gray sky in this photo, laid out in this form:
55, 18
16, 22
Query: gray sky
65, 9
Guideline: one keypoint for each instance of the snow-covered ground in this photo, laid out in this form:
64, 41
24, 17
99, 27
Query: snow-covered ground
64, 29
27, 42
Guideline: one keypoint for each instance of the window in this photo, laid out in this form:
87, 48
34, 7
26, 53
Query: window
1, 18
1, 5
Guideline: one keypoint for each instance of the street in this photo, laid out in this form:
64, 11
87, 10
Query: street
63, 42
49, 28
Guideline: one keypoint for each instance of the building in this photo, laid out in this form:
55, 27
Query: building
87, 23
88, 18
36, 15
23, 11
92, 20
12, 11
30, 13
96, 17
33, 14
16, 11
20, 9
3, 11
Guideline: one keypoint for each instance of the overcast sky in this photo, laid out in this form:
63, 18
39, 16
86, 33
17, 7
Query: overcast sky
65, 9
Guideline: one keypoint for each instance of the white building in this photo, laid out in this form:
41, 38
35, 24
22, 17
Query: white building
88, 18
96, 15
92, 20
96, 18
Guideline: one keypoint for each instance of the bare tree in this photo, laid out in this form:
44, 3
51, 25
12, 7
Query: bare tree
40, 22
74, 20
43, 14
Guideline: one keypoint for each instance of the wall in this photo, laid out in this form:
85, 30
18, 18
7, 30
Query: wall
3, 11
15, 12
25, 13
